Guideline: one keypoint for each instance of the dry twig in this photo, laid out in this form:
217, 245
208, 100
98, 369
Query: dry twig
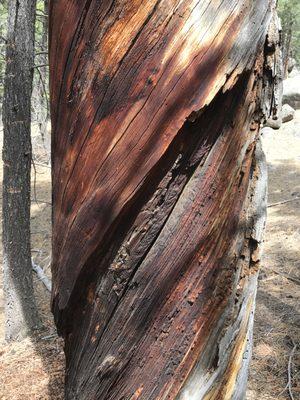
286, 276
42, 276
290, 371
283, 202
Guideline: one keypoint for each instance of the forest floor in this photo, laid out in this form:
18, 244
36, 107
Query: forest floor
33, 369
277, 317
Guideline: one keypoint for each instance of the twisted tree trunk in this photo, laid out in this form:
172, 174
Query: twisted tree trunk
158, 193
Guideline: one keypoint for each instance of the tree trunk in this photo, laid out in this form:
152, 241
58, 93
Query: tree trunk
287, 49
40, 92
158, 193
20, 308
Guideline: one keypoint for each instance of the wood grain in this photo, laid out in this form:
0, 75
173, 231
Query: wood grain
155, 115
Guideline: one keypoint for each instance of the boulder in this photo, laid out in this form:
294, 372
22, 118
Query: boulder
294, 72
291, 92
273, 123
288, 113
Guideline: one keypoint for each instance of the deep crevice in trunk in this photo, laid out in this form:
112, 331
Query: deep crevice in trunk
156, 242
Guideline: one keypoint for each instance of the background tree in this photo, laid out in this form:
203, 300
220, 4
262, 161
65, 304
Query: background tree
3, 25
40, 103
40, 96
289, 12
20, 308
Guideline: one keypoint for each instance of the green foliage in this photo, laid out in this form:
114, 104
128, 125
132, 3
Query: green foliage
289, 12
40, 106
41, 45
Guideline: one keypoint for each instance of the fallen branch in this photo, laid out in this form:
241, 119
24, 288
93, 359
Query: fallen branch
290, 372
37, 201
42, 11
42, 276
41, 66
42, 165
286, 276
41, 15
283, 202
40, 53
49, 337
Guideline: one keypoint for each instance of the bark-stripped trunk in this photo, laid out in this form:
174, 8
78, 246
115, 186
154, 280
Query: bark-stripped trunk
20, 309
158, 193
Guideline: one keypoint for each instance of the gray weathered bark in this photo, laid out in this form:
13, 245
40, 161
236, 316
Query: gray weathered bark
20, 307
158, 193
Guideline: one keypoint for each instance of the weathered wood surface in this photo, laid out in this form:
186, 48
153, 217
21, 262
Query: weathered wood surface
156, 112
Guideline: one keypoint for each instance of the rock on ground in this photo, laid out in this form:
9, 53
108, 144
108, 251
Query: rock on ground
291, 91
288, 113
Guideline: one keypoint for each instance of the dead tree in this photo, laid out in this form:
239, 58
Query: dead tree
158, 193
20, 308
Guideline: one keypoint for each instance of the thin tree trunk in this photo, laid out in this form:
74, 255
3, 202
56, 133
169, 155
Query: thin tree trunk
20, 308
40, 92
44, 44
159, 193
287, 49
44, 73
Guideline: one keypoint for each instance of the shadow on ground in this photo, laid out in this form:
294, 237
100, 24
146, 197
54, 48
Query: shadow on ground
277, 318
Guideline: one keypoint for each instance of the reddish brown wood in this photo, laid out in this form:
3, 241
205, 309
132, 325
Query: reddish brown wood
155, 115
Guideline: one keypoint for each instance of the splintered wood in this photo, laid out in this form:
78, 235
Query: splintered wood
155, 113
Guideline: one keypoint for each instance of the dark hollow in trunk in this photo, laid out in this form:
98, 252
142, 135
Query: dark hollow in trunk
159, 191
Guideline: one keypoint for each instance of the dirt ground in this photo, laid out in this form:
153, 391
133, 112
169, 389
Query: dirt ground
277, 318
33, 369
